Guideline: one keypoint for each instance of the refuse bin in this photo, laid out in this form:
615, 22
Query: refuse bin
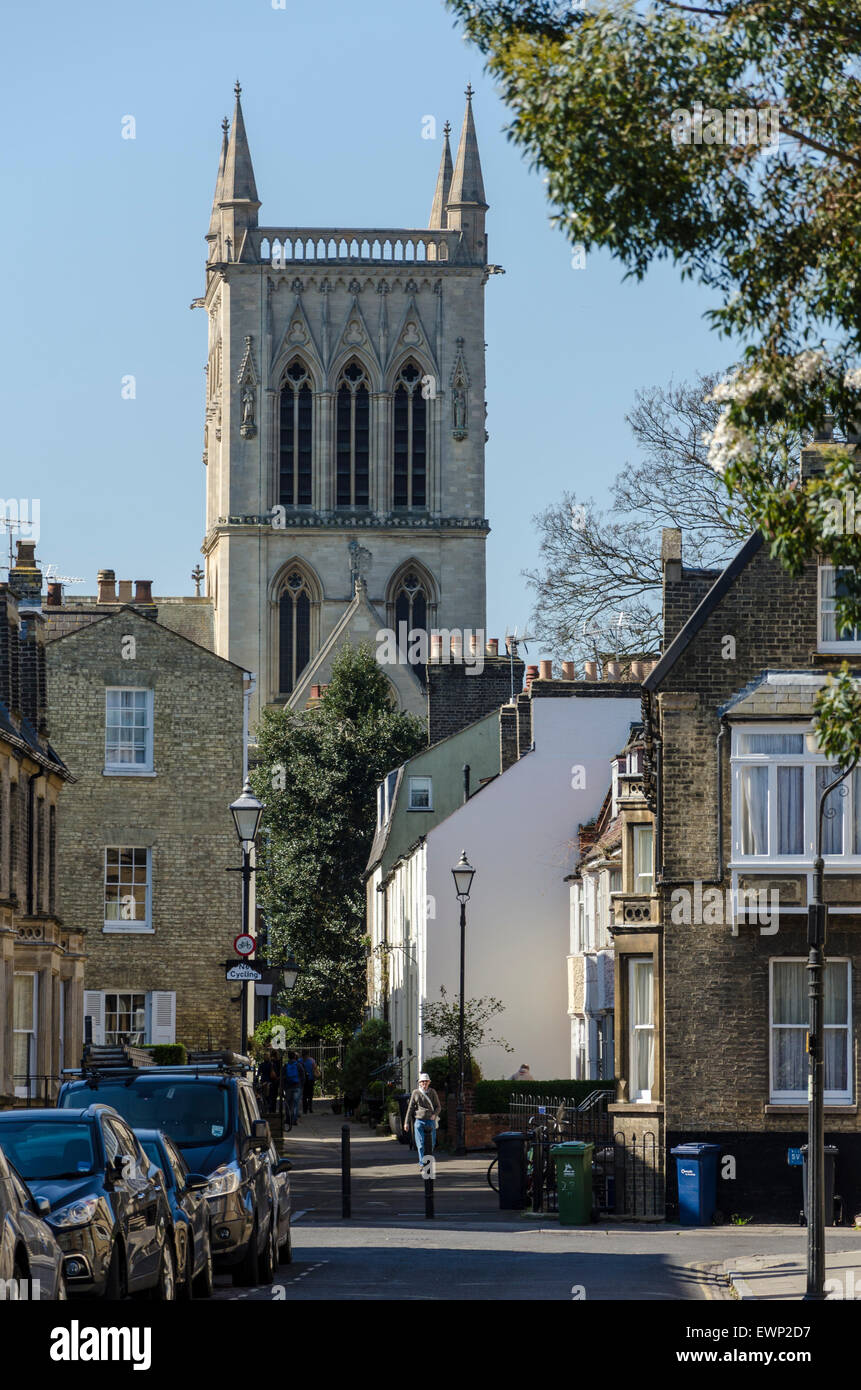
830, 1165
403, 1100
696, 1170
573, 1181
511, 1151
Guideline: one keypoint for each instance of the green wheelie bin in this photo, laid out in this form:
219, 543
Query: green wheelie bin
574, 1181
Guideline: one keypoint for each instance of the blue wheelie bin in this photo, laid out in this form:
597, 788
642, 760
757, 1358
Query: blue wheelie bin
696, 1169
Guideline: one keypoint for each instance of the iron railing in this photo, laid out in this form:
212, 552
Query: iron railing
35, 1090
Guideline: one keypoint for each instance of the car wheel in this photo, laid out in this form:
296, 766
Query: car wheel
203, 1284
269, 1258
164, 1289
115, 1284
247, 1272
285, 1250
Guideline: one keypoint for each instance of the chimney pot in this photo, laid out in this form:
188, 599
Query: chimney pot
493, 646
436, 647
55, 594
614, 670
143, 591
107, 586
591, 668
474, 644
531, 673
546, 670
125, 591
569, 671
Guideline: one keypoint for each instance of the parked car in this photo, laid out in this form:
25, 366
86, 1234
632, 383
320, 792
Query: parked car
210, 1111
189, 1211
29, 1254
105, 1205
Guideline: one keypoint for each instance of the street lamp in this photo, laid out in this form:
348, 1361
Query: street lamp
817, 925
463, 873
247, 812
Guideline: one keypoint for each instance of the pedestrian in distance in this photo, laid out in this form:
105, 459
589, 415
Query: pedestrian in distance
274, 1080
424, 1108
293, 1078
312, 1072
522, 1074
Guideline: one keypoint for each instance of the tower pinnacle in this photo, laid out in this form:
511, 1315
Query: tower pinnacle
466, 204
443, 183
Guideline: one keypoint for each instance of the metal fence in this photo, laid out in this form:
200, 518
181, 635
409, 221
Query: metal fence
627, 1169
35, 1090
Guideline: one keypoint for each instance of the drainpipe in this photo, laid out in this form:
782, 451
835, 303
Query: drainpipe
659, 817
719, 757
250, 684
465, 783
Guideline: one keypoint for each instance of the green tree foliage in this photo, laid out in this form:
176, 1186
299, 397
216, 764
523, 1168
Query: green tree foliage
318, 773
597, 97
366, 1053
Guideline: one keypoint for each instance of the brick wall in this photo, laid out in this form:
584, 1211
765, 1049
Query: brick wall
181, 815
457, 698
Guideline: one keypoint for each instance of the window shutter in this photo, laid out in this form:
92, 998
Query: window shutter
94, 1007
162, 1016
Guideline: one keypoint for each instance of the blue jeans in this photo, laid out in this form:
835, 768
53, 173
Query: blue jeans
292, 1096
425, 1132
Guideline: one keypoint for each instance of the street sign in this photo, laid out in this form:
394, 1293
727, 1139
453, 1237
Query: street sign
243, 971
244, 944
795, 1158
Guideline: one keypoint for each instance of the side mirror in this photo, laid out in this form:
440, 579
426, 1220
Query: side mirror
259, 1138
42, 1205
195, 1181
282, 1166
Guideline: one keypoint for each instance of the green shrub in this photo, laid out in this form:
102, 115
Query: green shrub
365, 1054
438, 1067
296, 1035
168, 1054
492, 1097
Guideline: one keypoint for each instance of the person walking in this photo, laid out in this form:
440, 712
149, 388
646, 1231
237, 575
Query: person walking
425, 1108
312, 1072
294, 1083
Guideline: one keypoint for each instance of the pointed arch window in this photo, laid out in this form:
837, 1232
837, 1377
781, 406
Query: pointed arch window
411, 603
410, 421
353, 437
296, 438
294, 630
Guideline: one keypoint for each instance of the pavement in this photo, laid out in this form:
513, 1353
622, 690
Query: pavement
387, 1249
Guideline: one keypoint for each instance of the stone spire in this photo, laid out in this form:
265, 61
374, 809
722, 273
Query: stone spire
238, 201
215, 216
443, 183
466, 204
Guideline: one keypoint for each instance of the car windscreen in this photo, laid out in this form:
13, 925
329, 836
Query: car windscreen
153, 1153
190, 1111
48, 1149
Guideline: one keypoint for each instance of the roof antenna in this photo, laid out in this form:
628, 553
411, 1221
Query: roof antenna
512, 641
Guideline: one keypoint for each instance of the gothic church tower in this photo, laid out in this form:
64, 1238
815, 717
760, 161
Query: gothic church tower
344, 442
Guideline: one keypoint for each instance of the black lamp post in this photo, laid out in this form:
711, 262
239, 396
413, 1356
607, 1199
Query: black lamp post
247, 812
463, 874
817, 925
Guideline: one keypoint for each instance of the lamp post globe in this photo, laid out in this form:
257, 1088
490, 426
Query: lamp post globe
463, 873
246, 811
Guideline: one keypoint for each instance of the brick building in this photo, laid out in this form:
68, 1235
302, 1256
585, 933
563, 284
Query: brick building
41, 954
153, 727
733, 783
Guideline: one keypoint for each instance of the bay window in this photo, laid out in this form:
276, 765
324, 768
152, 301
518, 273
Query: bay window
777, 782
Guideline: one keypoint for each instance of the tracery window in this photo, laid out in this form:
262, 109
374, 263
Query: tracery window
294, 630
410, 439
296, 438
352, 441
411, 605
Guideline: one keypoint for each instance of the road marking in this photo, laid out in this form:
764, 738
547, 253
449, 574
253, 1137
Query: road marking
306, 1272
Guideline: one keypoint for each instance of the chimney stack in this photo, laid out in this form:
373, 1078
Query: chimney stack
107, 592
25, 577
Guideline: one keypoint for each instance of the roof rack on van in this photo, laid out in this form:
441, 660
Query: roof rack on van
224, 1061
97, 1057
127, 1061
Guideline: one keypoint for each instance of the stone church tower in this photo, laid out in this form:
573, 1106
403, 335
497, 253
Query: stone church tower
344, 441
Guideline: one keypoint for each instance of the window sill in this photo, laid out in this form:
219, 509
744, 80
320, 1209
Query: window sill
128, 772
111, 929
800, 1108
420, 808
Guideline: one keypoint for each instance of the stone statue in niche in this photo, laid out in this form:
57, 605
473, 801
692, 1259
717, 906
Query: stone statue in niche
459, 395
458, 410
247, 428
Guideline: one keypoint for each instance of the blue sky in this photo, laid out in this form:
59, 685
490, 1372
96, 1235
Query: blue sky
104, 253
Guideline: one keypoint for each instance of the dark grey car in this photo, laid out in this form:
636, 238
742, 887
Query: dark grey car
31, 1261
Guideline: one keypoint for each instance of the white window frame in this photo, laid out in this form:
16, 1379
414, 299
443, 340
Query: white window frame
116, 993
773, 761
415, 787
633, 961
800, 1097
31, 1033
145, 769
852, 644
135, 924
643, 883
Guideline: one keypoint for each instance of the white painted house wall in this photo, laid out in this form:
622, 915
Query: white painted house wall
518, 833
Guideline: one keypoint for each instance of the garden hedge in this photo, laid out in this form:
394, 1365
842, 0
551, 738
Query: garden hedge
492, 1097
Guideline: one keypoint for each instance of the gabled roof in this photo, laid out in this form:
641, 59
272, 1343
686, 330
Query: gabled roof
713, 598
145, 618
27, 740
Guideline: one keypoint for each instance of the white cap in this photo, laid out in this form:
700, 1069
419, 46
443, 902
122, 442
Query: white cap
424, 1076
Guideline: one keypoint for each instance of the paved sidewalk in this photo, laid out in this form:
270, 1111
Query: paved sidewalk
770, 1277
386, 1181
